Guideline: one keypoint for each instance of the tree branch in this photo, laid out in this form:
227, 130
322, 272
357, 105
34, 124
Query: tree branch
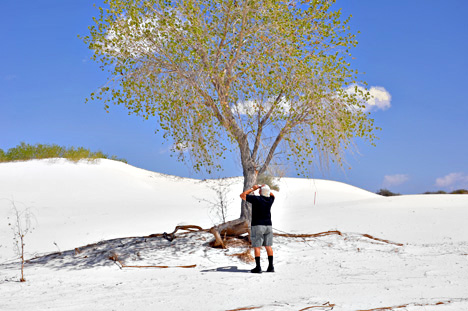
261, 124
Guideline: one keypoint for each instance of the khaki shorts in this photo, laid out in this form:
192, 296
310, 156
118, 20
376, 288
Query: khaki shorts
261, 236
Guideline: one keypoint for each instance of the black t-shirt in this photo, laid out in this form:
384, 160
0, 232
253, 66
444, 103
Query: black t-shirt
261, 207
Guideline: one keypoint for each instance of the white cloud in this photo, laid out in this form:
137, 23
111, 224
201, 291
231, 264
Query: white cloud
141, 37
183, 147
251, 107
395, 180
132, 38
245, 108
453, 180
380, 97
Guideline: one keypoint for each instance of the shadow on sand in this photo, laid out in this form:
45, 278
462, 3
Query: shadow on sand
233, 269
134, 250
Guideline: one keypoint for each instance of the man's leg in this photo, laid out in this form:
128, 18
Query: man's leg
269, 250
258, 268
268, 243
257, 251
257, 241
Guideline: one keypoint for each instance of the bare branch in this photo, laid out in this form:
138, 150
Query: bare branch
261, 124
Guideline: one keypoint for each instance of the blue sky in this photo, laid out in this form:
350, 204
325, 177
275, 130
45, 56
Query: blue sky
414, 50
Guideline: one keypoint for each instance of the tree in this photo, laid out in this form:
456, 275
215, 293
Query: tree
266, 79
21, 226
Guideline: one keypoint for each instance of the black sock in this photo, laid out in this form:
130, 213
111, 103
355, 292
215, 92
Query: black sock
270, 264
257, 261
257, 269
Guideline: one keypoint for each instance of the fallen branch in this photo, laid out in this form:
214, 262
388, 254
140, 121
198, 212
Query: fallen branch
325, 305
416, 305
115, 258
246, 308
314, 235
290, 235
231, 228
171, 236
381, 240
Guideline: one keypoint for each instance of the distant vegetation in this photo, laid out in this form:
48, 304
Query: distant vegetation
24, 152
459, 191
388, 193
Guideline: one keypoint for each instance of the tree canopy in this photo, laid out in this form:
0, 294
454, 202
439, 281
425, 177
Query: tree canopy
269, 79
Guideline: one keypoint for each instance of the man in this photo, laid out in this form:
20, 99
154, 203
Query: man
261, 232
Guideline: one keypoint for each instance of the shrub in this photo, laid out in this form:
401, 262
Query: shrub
386, 193
435, 192
24, 152
459, 191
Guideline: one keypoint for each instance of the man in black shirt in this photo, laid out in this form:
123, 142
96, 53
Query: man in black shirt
261, 232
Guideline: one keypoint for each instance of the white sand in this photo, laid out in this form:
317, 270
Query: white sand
75, 204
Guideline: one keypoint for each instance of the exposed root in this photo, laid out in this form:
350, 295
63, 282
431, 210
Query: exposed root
171, 236
415, 305
325, 305
290, 235
314, 235
245, 256
233, 228
237, 242
246, 308
381, 240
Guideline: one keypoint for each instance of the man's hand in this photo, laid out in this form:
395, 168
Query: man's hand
248, 191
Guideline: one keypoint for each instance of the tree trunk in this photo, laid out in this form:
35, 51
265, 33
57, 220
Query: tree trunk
231, 228
250, 178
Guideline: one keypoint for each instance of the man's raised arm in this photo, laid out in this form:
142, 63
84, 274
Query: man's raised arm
244, 194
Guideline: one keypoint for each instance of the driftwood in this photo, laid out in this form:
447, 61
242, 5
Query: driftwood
314, 235
417, 305
325, 305
246, 308
171, 236
231, 228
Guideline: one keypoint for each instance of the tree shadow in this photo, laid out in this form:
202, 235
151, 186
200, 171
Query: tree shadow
232, 269
104, 253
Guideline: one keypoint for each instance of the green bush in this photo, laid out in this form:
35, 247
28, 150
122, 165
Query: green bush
435, 192
459, 191
386, 193
24, 152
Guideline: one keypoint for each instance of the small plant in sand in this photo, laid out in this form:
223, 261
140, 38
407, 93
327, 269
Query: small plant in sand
21, 226
219, 204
